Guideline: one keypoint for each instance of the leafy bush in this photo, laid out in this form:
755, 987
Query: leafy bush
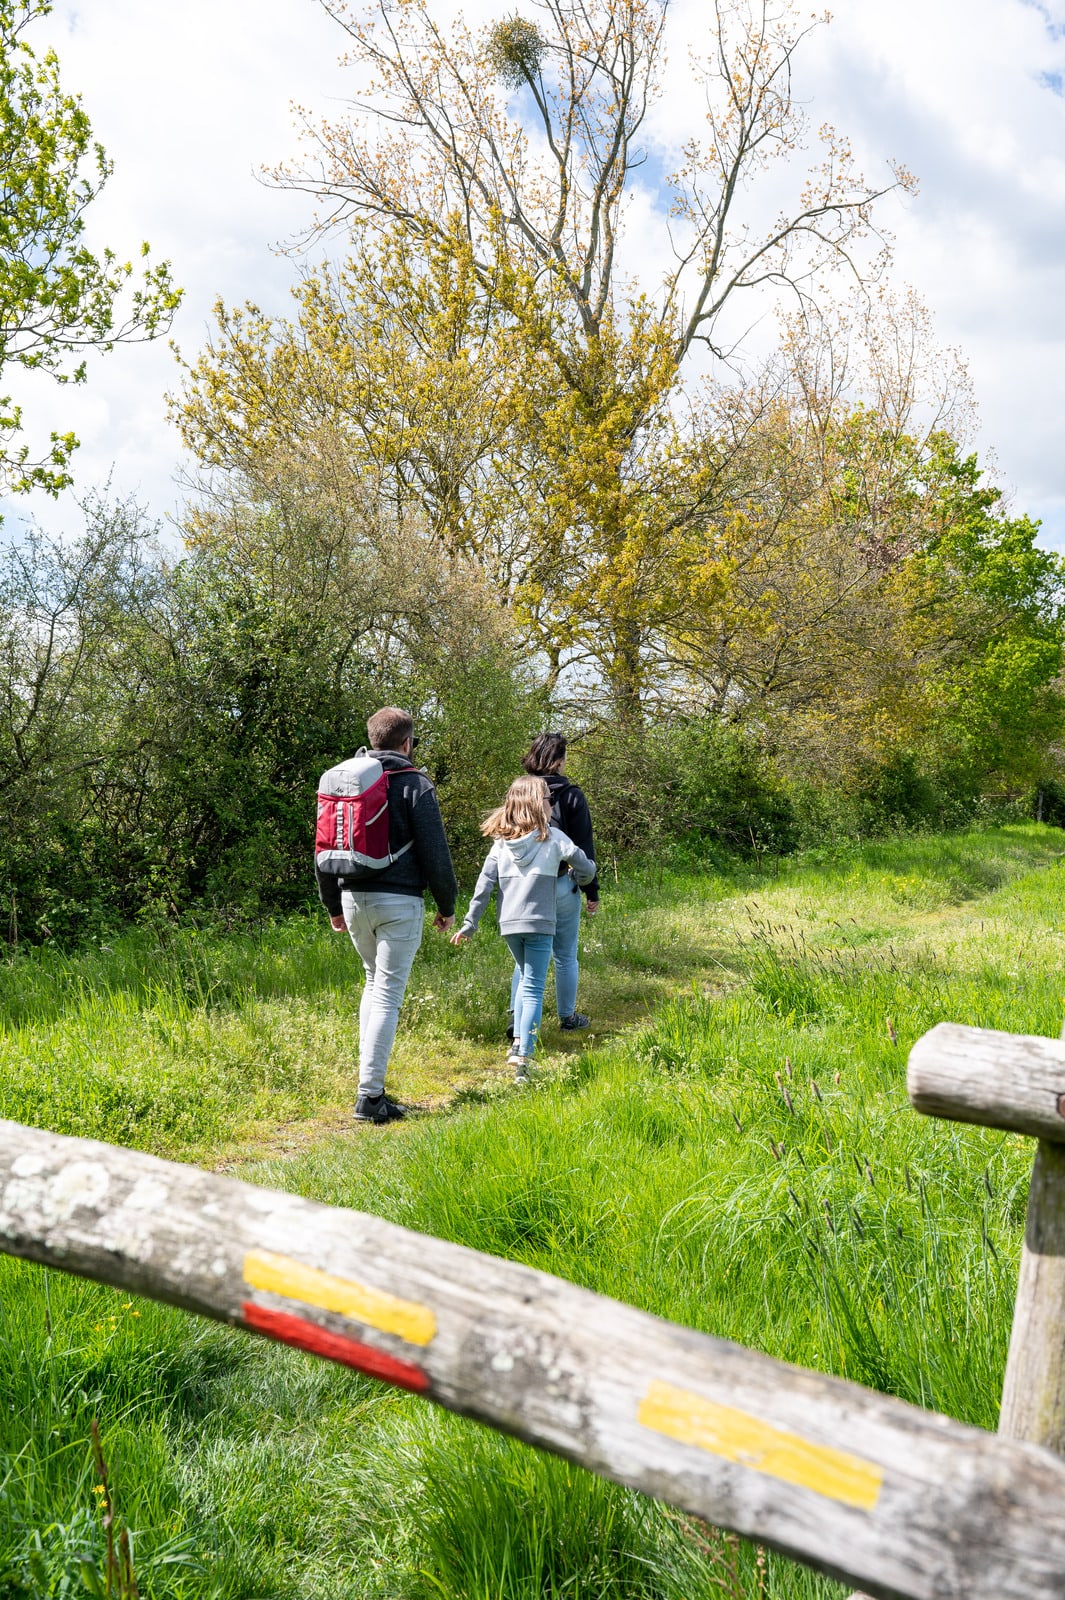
699, 780
163, 726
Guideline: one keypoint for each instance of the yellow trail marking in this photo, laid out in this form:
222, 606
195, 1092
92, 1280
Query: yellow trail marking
737, 1436
281, 1275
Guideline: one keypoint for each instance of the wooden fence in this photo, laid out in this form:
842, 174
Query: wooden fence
863, 1487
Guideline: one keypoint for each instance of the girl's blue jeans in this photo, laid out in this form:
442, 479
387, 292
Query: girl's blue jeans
567, 928
532, 957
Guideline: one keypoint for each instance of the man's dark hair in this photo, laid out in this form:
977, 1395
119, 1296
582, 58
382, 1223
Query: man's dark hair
389, 727
545, 754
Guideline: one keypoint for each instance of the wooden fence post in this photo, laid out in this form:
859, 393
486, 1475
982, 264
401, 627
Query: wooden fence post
1033, 1396
1015, 1082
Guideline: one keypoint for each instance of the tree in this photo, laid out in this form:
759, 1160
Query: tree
994, 602
756, 535
391, 379
828, 476
757, 550
163, 721
76, 721
540, 208
58, 298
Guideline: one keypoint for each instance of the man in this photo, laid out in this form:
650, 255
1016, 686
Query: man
383, 909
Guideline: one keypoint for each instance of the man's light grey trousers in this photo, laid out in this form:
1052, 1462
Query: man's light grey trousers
386, 930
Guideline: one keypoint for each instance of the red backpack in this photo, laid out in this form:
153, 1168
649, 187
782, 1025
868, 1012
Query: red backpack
352, 832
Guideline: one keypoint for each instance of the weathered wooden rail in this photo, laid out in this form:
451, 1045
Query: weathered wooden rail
864, 1487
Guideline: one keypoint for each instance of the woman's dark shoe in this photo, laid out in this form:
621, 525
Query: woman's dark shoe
575, 1020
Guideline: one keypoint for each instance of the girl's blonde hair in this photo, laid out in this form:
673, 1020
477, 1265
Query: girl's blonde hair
525, 809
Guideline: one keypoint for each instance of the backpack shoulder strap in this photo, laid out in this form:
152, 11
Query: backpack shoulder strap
401, 772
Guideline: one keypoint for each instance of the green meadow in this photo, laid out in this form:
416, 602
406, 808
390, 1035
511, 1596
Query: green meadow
731, 1148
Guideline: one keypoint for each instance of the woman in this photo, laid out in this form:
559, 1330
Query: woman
546, 758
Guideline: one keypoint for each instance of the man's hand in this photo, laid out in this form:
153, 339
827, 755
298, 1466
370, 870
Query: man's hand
338, 924
443, 923
592, 907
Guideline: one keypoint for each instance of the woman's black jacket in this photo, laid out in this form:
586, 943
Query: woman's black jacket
569, 811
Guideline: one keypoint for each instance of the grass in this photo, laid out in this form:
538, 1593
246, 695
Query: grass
205, 1045
737, 1153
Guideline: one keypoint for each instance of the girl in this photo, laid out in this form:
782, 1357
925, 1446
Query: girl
523, 865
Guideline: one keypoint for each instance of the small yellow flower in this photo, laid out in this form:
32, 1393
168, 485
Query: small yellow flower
98, 1488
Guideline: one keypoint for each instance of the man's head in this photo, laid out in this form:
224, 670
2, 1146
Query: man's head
390, 728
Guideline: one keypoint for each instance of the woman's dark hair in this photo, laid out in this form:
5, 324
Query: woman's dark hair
545, 754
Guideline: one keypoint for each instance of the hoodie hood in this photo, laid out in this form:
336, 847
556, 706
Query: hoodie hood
391, 760
525, 850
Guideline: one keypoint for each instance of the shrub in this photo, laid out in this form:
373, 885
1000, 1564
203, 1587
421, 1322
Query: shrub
698, 780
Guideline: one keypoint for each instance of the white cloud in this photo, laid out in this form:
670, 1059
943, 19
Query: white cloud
958, 91
190, 102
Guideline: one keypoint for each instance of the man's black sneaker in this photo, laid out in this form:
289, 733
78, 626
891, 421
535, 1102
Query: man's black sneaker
378, 1108
510, 1027
575, 1020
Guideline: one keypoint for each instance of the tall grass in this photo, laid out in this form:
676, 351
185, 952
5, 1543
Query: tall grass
744, 1162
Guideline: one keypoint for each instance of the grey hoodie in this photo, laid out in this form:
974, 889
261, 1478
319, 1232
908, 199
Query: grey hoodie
525, 872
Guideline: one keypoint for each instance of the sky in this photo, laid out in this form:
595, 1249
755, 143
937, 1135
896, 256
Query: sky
192, 102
